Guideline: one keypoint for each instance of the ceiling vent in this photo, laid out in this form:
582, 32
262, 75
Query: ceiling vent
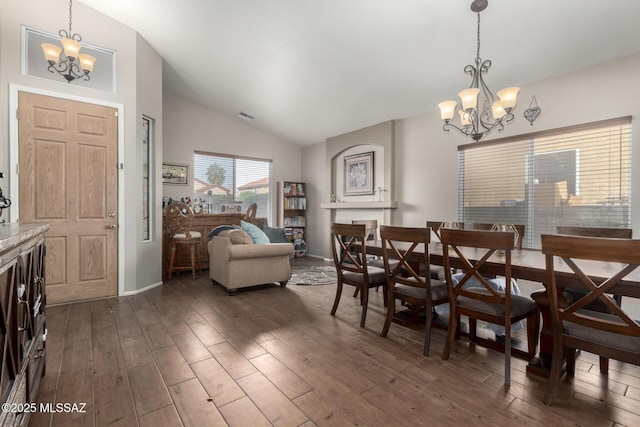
245, 116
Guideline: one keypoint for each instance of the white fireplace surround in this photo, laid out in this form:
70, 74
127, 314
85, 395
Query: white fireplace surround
360, 205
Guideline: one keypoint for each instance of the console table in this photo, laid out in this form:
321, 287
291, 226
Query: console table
22, 307
203, 223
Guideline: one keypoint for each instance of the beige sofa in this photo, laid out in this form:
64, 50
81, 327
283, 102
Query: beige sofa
236, 262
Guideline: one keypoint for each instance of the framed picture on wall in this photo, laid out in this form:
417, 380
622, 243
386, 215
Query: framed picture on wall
175, 174
358, 174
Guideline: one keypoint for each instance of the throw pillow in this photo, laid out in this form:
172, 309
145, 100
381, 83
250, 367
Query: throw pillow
275, 235
256, 234
239, 237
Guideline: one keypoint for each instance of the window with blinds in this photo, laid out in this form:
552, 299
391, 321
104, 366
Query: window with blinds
222, 182
579, 176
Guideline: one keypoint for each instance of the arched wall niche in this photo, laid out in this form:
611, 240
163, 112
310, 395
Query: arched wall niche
379, 139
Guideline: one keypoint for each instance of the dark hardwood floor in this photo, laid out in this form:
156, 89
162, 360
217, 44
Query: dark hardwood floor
188, 354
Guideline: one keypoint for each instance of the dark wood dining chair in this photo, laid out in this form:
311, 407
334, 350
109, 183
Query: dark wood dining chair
612, 335
250, 214
437, 271
178, 220
372, 236
404, 279
520, 228
475, 296
617, 233
348, 245
371, 227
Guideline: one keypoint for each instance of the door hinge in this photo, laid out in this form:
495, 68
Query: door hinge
17, 114
115, 113
18, 169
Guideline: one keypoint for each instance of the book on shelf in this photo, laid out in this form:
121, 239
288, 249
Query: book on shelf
294, 221
295, 203
293, 189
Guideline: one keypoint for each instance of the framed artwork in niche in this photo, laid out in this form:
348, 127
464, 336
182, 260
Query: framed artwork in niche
358, 174
175, 174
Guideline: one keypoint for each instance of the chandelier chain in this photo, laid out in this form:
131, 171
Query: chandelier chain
70, 1
478, 50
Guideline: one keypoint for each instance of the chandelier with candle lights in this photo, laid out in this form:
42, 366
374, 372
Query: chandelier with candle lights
481, 112
71, 64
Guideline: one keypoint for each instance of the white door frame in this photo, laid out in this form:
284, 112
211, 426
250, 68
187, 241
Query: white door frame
13, 159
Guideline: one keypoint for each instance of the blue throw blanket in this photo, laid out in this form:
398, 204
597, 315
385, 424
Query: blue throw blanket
221, 228
499, 284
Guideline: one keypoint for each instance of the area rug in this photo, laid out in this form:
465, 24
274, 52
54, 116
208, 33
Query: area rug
313, 275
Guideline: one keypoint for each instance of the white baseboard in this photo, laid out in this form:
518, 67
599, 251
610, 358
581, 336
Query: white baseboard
137, 291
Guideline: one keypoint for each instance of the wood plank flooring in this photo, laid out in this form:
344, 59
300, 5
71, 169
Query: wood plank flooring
188, 354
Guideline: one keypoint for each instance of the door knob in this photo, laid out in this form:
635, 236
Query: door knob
110, 227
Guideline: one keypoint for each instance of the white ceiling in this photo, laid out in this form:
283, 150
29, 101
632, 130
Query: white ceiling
308, 70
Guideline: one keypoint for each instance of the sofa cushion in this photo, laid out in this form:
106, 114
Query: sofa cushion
275, 235
256, 234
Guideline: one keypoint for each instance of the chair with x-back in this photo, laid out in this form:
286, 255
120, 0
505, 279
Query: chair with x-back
437, 271
517, 229
617, 233
179, 219
614, 334
404, 279
348, 245
478, 297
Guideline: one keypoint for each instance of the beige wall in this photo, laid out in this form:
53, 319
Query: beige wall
189, 127
149, 103
425, 179
139, 264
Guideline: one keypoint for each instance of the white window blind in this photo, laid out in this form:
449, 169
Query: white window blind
221, 180
578, 176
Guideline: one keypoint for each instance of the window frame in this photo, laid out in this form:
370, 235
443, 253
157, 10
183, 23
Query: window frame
263, 211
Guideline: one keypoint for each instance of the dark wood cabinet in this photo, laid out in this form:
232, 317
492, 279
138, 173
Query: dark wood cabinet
22, 306
203, 223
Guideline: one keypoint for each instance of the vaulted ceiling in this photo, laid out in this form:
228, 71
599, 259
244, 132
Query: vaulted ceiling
308, 70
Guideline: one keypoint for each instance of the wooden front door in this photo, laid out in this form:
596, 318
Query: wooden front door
68, 178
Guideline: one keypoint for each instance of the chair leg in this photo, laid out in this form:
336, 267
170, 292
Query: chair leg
473, 323
507, 354
427, 329
533, 328
604, 364
355, 293
365, 303
172, 259
554, 374
198, 257
570, 357
192, 249
391, 308
337, 299
385, 295
452, 332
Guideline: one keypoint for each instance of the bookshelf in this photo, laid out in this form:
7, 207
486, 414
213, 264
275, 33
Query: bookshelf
292, 214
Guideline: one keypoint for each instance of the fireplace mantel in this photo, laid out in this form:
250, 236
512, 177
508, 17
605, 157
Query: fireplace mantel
360, 205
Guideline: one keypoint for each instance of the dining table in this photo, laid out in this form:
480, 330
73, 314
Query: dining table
528, 264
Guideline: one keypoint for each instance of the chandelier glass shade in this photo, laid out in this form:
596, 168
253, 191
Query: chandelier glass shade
67, 60
480, 111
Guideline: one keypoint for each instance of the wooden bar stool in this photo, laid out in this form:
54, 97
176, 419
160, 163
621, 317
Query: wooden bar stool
179, 219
